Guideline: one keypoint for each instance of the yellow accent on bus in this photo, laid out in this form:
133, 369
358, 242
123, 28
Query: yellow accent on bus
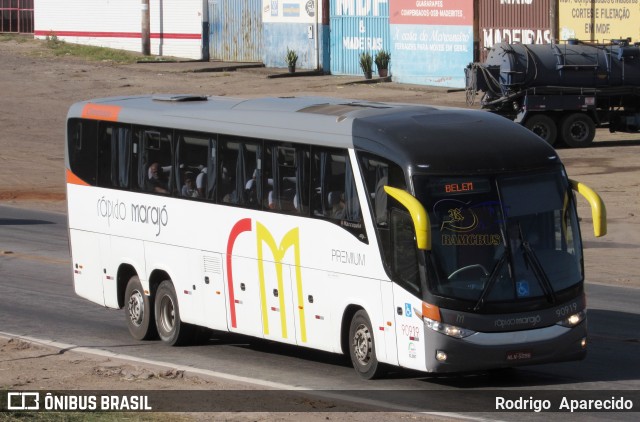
598, 210
418, 215
290, 239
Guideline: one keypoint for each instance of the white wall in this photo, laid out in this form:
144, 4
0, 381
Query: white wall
176, 25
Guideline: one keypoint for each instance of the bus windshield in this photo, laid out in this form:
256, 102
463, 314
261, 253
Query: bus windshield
502, 238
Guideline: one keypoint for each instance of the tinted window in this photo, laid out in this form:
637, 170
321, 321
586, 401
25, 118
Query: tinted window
82, 148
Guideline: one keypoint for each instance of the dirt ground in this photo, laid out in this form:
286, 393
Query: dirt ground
28, 366
36, 90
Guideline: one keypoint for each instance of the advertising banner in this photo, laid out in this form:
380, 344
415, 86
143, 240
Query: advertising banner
431, 41
599, 20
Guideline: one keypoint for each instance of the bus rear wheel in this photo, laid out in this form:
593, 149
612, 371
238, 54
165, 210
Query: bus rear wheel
171, 329
362, 347
139, 311
544, 126
578, 130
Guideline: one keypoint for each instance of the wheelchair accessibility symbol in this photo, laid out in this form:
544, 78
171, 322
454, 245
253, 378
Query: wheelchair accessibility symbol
408, 310
523, 288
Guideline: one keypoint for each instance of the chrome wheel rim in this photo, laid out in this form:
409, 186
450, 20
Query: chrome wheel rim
167, 314
362, 344
136, 308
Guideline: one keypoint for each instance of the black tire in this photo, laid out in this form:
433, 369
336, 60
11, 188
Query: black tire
544, 126
171, 329
362, 348
578, 130
138, 309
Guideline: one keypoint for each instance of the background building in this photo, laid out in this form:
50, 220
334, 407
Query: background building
430, 41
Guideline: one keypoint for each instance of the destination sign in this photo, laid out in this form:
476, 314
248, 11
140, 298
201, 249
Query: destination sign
459, 186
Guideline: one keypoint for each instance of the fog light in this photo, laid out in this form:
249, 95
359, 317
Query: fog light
583, 343
441, 356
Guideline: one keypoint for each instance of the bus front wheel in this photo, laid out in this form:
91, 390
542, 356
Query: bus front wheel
139, 311
362, 347
171, 329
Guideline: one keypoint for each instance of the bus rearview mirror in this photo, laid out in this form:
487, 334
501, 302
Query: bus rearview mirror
418, 215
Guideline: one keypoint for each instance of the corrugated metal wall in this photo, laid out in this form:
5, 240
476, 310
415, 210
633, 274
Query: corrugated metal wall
236, 30
525, 22
356, 26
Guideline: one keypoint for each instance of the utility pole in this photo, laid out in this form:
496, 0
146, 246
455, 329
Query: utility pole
146, 28
553, 21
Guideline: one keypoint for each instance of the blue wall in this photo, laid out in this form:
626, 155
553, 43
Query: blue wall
277, 37
356, 29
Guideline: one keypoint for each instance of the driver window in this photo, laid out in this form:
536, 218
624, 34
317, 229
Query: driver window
404, 261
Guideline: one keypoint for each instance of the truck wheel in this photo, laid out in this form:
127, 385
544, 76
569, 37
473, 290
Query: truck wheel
543, 126
171, 329
139, 311
578, 130
362, 347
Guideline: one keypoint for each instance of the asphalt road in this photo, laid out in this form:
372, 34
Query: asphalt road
37, 300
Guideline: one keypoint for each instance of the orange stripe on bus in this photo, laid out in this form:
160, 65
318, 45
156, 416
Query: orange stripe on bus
75, 180
101, 112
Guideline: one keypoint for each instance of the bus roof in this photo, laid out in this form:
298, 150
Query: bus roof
423, 138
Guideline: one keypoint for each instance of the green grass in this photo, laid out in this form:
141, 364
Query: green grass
89, 52
57, 47
19, 38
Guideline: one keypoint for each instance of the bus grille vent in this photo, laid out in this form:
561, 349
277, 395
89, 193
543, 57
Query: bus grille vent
212, 264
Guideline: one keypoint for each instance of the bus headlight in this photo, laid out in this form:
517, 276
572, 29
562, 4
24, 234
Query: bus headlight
449, 330
573, 320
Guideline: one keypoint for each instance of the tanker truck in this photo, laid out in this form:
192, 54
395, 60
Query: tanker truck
561, 92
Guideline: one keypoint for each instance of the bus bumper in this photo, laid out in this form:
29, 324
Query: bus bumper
482, 351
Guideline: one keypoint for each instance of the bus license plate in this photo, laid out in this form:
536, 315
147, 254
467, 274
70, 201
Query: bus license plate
519, 355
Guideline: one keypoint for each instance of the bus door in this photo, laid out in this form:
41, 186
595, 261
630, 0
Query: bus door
88, 267
214, 298
406, 291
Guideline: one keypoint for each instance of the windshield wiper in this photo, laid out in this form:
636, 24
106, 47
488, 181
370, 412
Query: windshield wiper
491, 281
532, 260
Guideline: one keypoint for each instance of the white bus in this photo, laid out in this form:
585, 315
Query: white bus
429, 238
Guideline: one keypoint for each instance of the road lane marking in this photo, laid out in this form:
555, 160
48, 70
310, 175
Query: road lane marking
236, 378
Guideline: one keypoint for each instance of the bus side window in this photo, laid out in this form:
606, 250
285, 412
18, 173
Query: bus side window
114, 155
286, 170
240, 171
196, 163
377, 173
156, 162
333, 190
404, 263
82, 149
